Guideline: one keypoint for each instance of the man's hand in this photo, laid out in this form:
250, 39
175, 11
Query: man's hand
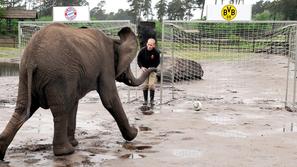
153, 69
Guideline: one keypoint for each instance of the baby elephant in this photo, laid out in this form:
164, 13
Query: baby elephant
60, 65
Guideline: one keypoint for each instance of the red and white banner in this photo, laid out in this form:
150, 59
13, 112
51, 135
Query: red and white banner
71, 13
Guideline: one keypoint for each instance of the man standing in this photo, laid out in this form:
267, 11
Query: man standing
148, 57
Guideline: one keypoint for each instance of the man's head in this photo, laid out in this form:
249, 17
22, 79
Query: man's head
151, 44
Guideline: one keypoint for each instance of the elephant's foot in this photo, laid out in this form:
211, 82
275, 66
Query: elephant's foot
3, 148
2, 153
73, 142
65, 149
131, 134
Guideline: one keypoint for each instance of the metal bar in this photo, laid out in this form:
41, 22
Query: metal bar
94, 21
287, 83
295, 70
172, 57
209, 21
162, 58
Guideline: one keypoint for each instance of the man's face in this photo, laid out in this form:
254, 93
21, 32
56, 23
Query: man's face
150, 44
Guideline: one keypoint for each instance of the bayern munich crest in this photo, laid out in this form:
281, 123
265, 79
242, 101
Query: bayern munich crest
70, 13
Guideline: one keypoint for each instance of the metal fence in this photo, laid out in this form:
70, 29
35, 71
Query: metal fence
290, 101
191, 47
233, 44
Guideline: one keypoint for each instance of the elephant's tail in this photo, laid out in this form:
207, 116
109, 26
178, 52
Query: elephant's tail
30, 70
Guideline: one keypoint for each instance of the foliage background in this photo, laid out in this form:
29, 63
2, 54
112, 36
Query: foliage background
142, 10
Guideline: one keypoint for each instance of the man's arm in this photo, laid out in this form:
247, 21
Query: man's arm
139, 58
157, 60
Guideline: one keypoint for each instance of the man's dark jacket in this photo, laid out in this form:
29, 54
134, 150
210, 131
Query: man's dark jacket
148, 58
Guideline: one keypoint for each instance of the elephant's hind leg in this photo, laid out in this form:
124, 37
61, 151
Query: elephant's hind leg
72, 125
16, 121
60, 103
61, 143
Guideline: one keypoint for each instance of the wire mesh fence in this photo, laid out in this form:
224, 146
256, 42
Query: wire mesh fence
194, 50
213, 51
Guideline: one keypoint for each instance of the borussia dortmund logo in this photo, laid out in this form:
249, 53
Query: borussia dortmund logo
229, 12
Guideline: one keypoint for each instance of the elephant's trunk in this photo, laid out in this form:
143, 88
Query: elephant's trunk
129, 79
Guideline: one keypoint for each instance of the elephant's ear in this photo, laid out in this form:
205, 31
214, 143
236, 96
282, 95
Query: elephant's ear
127, 49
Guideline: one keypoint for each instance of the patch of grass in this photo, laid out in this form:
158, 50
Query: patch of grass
7, 53
209, 55
7, 48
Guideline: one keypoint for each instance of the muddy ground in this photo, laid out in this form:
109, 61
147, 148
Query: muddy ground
242, 123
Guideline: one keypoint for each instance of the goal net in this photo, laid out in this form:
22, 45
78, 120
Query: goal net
110, 28
226, 54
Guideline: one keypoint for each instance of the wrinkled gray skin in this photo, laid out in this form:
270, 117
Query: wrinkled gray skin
61, 65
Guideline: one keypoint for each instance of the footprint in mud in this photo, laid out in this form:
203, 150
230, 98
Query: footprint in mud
33, 148
144, 128
148, 112
132, 146
31, 161
4, 164
132, 156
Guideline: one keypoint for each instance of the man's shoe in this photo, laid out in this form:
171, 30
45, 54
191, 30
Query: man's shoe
152, 103
144, 103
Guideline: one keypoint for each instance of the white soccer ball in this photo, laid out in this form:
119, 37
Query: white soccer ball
197, 105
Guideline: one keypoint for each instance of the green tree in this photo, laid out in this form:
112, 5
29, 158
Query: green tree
11, 3
278, 9
274, 9
259, 7
288, 8
1, 6
188, 5
98, 12
147, 9
161, 7
45, 8
136, 6
266, 15
176, 10
83, 3
120, 15
70, 2
199, 4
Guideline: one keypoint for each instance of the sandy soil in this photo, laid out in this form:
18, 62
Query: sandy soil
242, 123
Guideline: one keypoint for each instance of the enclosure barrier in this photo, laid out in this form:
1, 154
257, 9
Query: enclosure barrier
290, 101
186, 43
190, 49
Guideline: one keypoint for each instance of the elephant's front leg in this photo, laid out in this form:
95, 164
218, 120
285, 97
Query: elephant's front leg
111, 101
72, 125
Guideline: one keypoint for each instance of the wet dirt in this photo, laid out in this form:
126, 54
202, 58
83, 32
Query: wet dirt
242, 123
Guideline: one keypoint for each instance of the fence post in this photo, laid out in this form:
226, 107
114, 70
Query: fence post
19, 35
254, 42
172, 57
219, 45
162, 59
288, 72
295, 70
